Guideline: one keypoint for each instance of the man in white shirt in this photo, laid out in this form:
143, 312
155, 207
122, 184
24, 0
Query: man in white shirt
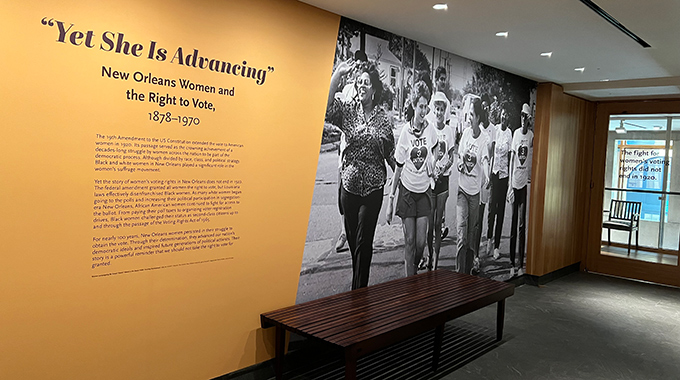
485, 194
520, 168
500, 171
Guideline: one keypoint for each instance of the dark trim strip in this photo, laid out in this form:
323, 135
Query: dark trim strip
552, 276
643, 191
615, 22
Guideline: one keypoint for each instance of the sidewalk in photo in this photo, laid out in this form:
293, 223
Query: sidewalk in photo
326, 272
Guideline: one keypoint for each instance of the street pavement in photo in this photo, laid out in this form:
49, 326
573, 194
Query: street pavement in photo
326, 272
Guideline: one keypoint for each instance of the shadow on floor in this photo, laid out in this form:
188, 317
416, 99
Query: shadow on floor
408, 360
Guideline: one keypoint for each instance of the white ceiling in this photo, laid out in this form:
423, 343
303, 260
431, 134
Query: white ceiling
576, 35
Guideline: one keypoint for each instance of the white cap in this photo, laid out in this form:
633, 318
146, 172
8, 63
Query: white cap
441, 97
526, 109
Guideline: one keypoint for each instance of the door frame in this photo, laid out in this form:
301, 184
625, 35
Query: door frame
616, 266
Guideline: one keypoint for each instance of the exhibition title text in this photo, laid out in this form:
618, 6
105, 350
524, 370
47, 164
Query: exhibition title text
116, 42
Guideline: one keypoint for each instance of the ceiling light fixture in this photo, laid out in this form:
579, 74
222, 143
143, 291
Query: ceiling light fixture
604, 80
440, 7
657, 128
620, 129
581, 69
547, 54
502, 34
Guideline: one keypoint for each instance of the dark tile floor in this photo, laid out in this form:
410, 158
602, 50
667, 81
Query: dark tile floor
581, 326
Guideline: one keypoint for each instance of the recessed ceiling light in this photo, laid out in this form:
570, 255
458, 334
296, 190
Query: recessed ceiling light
502, 34
547, 54
604, 80
581, 69
440, 7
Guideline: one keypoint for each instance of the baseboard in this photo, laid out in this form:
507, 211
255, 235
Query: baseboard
300, 351
552, 276
260, 371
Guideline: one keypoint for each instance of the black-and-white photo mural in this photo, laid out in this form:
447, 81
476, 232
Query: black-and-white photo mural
425, 163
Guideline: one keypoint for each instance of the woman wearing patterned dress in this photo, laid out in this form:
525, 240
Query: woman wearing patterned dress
369, 145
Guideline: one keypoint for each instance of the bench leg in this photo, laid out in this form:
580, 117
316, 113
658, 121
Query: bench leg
630, 236
280, 349
500, 317
609, 236
350, 364
438, 337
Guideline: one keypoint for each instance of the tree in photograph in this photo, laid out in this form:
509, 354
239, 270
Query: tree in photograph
348, 30
505, 86
417, 68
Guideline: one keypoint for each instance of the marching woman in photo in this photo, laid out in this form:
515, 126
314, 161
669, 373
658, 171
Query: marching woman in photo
413, 176
473, 158
500, 170
369, 145
485, 193
520, 169
442, 169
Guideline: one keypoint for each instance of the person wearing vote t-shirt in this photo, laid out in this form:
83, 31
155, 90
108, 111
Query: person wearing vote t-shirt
520, 168
442, 170
485, 195
500, 170
473, 158
441, 84
414, 155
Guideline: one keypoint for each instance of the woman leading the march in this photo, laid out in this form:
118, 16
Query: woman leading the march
369, 145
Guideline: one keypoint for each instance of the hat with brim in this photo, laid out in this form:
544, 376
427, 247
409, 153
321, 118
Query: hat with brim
441, 97
526, 109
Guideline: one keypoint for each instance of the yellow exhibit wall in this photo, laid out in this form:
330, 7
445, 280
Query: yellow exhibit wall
157, 164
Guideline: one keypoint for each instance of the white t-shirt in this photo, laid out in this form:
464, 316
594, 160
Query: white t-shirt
415, 154
488, 133
445, 141
472, 154
521, 166
501, 150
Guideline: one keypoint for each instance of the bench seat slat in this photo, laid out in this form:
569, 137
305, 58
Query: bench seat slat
617, 224
394, 307
341, 311
330, 306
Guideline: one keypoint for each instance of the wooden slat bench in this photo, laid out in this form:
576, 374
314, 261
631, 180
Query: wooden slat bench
624, 216
365, 320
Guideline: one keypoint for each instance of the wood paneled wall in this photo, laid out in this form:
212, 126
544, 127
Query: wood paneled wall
560, 180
